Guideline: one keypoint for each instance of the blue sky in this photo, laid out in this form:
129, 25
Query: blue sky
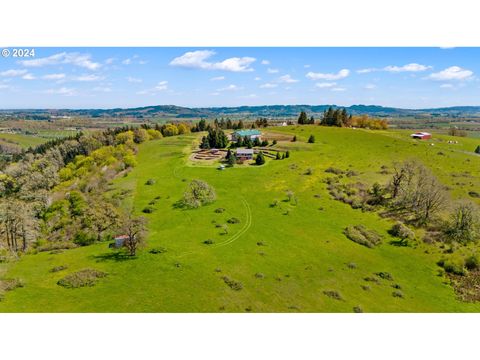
198, 77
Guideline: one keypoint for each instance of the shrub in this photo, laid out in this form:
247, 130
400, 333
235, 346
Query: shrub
402, 231
150, 182
148, 209
397, 293
384, 275
58, 268
357, 309
159, 250
259, 276
309, 171
234, 285
335, 171
10, 284
83, 239
198, 193
209, 242
233, 220
311, 139
86, 277
363, 236
474, 194
219, 210
472, 262
333, 294
452, 266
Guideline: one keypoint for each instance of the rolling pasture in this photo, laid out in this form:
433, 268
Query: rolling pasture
282, 255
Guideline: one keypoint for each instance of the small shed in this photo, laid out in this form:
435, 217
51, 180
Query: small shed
120, 241
244, 154
421, 135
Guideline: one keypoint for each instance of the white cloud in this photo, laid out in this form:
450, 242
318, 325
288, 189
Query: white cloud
87, 77
127, 61
257, 78
215, 93
272, 71
287, 79
323, 85
4, 86
306, 66
265, 62
328, 76
249, 96
62, 91
230, 87
109, 61
446, 86
133, 79
28, 76
268, 86
161, 86
370, 86
217, 78
452, 73
198, 60
338, 89
54, 76
413, 67
366, 71
102, 89
13, 73
80, 60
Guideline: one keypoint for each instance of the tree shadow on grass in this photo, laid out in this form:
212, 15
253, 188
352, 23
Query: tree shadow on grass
117, 256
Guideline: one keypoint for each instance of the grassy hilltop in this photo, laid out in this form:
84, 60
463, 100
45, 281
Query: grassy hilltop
282, 256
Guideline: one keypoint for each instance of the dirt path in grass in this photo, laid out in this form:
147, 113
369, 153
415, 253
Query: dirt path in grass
235, 237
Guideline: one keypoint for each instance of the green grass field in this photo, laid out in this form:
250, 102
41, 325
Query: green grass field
285, 256
24, 141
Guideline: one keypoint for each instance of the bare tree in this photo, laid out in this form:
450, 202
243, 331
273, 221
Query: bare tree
417, 191
464, 224
134, 227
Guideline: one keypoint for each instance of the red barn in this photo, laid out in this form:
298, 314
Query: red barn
421, 135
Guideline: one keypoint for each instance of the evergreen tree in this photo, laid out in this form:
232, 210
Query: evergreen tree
240, 124
294, 138
312, 120
278, 156
229, 124
202, 125
477, 150
287, 154
232, 160
311, 139
247, 142
302, 119
283, 156
265, 143
260, 159
256, 142
274, 142
240, 142
216, 138
204, 144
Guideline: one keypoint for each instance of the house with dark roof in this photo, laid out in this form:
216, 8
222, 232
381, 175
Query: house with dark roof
244, 154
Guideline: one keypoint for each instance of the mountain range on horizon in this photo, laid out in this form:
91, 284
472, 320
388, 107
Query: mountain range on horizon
248, 111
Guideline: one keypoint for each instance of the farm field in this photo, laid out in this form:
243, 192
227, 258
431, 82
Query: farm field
24, 141
287, 257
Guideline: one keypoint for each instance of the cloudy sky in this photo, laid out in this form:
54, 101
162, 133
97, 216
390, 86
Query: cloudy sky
198, 77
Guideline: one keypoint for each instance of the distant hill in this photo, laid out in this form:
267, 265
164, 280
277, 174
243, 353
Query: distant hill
172, 111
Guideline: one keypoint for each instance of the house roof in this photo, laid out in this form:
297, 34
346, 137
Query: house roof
249, 132
244, 151
421, 133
